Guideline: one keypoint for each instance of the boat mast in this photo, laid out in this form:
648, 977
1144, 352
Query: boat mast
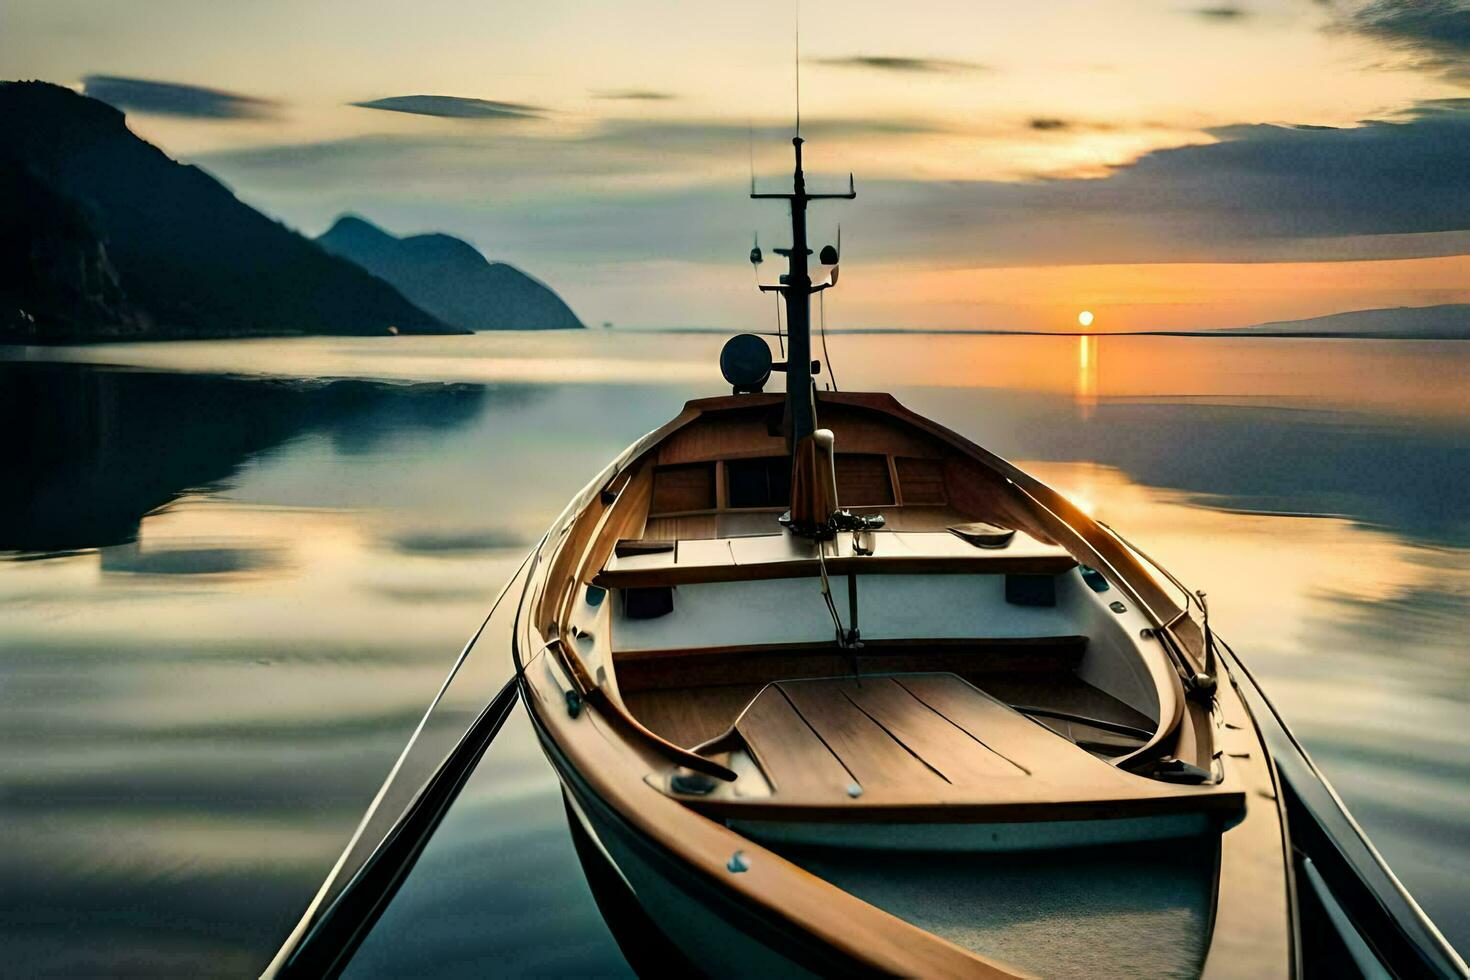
800, 418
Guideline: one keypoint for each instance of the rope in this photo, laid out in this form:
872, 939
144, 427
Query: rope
826, 358
827, 596
779, 339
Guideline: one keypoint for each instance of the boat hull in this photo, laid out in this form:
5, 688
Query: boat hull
693, 870
709, 925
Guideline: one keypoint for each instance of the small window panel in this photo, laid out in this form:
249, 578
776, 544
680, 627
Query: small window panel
761, 482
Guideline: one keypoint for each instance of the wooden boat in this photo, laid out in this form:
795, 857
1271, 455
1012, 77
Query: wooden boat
831, 689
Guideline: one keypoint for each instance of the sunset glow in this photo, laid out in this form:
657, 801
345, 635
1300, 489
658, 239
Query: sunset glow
440, 402
993, 145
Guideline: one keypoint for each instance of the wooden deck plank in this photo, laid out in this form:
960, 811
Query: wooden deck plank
1046, 658
814, 737
691, 715
792, 756
1029, 744
963, 759
1065, 693
878, 761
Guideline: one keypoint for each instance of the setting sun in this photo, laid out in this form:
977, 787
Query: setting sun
1085, 318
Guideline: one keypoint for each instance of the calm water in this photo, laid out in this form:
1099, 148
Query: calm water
230, 587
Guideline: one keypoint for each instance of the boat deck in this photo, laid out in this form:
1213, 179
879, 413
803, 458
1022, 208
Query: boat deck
931, 746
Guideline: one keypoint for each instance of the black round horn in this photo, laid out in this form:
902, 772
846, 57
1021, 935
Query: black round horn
828, 255
745, 361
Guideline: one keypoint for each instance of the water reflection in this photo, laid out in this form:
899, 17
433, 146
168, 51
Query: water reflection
500, 883
100, 448
254, 586
1358, 636
1086, 396
1379, 469
199, 559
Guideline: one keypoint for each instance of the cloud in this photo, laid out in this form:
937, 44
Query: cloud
631, 191
173, 99
1048, 124
1435, 34
613, 147
453, 107
912, 66
635, 95
1222, 12
1256, 192
717, 137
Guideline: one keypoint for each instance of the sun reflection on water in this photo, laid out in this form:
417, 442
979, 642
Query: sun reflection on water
1085, 395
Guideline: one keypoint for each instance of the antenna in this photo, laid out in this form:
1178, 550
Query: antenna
797, 7
750, 143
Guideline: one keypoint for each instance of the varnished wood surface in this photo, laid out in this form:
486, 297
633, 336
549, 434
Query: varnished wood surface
688, 716
1053, 657
864, 480
978, 564
931, 747
981, 485
1254, 928
874, 940
788, 750
676, 489
682, 528
1252, 936
740, 427
1064, 693
882, 464
922, 480
953, 752
878, 761
667, 690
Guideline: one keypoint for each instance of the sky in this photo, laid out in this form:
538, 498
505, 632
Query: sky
1166, 164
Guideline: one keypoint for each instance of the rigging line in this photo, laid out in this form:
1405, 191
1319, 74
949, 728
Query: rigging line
750, 142
779, 339
822, 306
827, 595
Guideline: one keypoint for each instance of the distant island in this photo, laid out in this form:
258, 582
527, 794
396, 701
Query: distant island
104, 237
449, 278
1450, 321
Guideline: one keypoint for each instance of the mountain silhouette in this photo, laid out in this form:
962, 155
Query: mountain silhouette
450, 278
55, 273
112, 238
1450, 321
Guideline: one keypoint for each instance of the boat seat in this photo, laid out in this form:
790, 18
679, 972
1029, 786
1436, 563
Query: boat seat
779, 556
1049, 660
930, 748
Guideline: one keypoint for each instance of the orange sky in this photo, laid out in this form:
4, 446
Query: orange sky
630, 159
1149, 296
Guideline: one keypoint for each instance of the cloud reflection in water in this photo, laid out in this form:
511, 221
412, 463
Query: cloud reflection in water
195, 719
